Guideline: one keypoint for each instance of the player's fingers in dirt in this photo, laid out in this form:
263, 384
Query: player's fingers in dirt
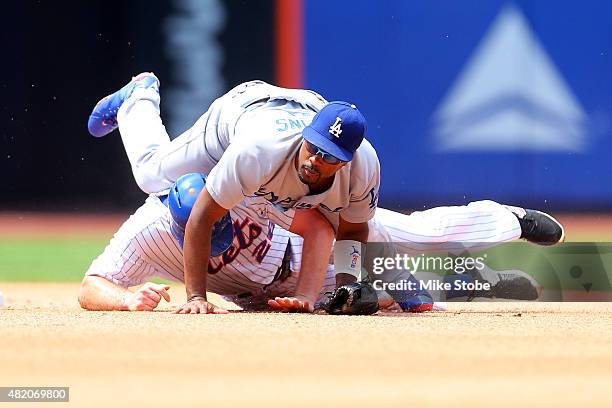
142, 308
200, 306
216, 309
138, 301
145, 300
292, 305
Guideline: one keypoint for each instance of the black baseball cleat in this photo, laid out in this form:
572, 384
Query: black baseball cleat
515, 285
538, 227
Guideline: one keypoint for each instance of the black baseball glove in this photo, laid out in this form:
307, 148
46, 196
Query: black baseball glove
357, 298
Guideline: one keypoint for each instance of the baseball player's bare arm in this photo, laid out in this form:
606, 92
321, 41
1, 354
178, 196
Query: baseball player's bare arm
196, 250
318, 237
98, 293
352, 232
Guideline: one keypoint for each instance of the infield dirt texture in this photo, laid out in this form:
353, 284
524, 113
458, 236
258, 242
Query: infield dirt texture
475, 354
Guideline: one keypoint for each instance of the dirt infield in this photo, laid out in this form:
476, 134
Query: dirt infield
486, 354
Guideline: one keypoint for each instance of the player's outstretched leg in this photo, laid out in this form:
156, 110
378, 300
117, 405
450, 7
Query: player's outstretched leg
103, 118
538, 227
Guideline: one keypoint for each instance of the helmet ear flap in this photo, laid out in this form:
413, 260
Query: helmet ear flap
181, 199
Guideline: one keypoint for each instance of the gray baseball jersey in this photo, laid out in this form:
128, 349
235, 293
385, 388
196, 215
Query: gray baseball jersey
247, 142
263, 165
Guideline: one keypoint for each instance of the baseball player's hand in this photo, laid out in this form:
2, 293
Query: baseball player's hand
200, 305
291, 304
147, 297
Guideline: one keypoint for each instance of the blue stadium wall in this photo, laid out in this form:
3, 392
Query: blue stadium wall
469, 100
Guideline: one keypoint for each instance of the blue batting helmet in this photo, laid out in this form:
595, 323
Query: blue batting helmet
181, 199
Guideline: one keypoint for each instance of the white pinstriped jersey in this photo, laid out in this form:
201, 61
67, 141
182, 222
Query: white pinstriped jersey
145, 247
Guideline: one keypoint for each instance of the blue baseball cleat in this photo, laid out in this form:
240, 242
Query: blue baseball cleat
417, 302
103, 118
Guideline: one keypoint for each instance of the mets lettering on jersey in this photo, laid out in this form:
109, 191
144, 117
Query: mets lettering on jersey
246, 232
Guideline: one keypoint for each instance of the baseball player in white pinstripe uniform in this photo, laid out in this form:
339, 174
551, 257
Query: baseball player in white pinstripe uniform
256, 261
264, 260
252, 140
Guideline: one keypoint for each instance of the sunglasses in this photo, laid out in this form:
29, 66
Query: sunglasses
316, 150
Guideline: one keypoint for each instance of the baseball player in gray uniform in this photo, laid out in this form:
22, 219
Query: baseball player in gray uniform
260, 141
289, 146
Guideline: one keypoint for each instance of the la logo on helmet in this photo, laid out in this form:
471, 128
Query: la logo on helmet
335, 129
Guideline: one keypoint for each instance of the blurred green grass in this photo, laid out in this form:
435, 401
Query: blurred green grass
40, 259
65, 259
47, 259
568, 266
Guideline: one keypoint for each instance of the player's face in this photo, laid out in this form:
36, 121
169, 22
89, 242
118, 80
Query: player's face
315, 166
